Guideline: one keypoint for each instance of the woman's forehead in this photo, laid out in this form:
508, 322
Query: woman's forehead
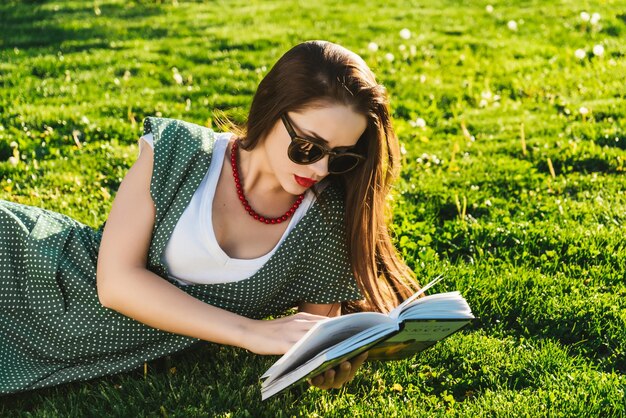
338, 125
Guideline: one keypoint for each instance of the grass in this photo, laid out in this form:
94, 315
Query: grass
508, 186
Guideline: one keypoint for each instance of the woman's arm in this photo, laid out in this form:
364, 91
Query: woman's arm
325, 309
125, 284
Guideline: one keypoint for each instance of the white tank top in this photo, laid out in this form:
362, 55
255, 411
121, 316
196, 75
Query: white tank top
192, 254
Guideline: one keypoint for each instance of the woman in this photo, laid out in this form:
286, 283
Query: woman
289, 213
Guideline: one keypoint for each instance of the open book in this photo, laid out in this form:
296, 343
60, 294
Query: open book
410, 328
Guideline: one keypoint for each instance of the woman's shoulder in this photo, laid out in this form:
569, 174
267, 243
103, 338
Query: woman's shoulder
154, 124
179, 133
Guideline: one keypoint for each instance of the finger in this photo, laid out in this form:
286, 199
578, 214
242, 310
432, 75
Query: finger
356, 363
329, 379
342, 374
317, 380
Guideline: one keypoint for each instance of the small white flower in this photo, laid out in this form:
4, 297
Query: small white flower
116, 81
584, 16
489, 8
372, 46
405, 34
402, 149
580, 54
422, 78
389, 56
13, 144
598, 50
595, 18
485, 95
418, 123
13, 161
178, 78
402, 47
84, 120
512, 25
483, 103
487, 202
583, 110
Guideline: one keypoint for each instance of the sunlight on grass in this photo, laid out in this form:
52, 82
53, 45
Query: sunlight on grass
512, 123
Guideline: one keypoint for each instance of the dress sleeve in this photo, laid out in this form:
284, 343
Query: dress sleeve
328, 276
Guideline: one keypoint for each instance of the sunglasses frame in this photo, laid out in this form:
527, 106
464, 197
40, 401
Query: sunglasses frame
325, 150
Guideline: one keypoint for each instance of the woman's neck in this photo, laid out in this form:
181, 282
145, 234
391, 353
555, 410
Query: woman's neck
255, 171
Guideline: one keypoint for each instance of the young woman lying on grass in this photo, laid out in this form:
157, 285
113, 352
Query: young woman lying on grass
210, 233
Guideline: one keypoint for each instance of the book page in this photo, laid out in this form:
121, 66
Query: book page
396, 312
324, 360
325, 334
438, 306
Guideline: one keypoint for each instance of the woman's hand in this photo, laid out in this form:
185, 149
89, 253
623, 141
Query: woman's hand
277, 336
339, 375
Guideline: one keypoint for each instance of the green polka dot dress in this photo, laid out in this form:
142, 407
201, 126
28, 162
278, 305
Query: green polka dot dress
53, 328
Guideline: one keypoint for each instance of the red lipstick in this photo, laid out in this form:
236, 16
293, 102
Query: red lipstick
304, 181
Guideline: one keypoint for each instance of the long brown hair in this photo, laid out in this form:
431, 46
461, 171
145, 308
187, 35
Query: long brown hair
317, 72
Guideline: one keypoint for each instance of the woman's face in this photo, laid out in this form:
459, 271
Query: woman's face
334, 125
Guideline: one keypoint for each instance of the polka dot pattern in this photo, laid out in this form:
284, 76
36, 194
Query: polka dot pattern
53, 328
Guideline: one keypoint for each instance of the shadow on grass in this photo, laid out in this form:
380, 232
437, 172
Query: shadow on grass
37, 24
33, 400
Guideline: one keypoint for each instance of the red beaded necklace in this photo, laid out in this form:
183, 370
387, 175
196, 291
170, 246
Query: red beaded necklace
244, 201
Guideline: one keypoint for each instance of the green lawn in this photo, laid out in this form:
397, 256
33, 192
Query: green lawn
513, 183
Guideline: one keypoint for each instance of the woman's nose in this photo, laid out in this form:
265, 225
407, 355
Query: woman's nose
320, 168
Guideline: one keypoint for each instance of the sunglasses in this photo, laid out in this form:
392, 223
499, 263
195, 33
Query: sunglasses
307, 151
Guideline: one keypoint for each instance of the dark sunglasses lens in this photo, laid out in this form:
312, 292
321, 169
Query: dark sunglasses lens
303, 152
342, 163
